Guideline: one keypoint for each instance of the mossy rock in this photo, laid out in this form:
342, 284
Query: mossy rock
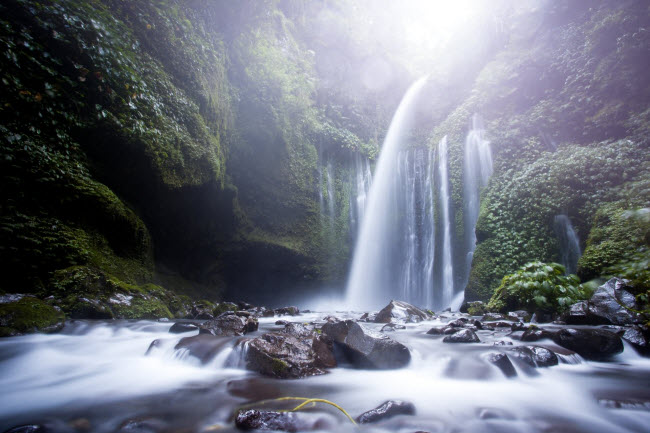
29, 315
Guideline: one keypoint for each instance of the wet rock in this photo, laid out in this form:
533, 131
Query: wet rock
281, 322
502, 362
543, 357
517, 326
477, 324
386, 410
299, 330
638, 338
287, 311
476, 308
268, 313
498, 324
595, 344
502, 343
244, 305
203, 346
142, 425
202, 311
401, 312
323, 348
493, 317
243, 313
279, 421
519, 315
180, 327
365, 348
533, 333
93, 309
446, 330
458, 323
462, 336
390, 327
154, 345
579, 314
609, 300
284, 356
229, 324
30, 428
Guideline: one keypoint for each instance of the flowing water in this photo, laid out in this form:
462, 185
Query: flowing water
372, 278
96, 376
570, 251
447, 274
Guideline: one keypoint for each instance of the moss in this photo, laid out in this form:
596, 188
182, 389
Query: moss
477, 308
279, 367
29, 315
223, 307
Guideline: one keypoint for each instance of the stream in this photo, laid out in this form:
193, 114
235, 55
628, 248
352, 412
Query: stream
96, 376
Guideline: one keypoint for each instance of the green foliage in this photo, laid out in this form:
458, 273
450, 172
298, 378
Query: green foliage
28, 315
538, 286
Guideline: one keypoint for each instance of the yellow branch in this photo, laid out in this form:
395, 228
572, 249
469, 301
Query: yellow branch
305, 402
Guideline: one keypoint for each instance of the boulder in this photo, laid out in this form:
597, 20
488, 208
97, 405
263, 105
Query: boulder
390, 327
386, 410
254, 419
180, 327
493, 317
446, 330
543, 357
638, 338
609, 301
533, 333
203, 346
202, 311
229, 324
284, 356
595, 344
401, 312
502, 362
520, 315
365, 348
462, 336
287, 311
299, 330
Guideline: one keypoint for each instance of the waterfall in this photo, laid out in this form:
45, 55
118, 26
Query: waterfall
361, 178
331, 198
371, 284
477, 171
569, 243
447, 274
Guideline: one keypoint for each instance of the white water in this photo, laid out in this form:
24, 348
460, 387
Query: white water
570, 251
369, 284
99, 372
477, 171
446, 287
361, 180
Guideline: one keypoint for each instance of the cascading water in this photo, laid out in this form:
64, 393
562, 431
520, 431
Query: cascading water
371, 279
360, 181
446, 285
477, 171
570, 251
331, 199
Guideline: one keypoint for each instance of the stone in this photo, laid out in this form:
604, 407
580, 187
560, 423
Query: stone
365, 348
502, 362
254, 419
287, 311
493, 317
519, 315
609, 300
229, 324
390, 327
181, 327
543, 357
517, 326
299, 330
386, 410
637, 338
29, 428
280, 355
203, 346
202, 312
594, 344
533, 333
401, 312
462, 336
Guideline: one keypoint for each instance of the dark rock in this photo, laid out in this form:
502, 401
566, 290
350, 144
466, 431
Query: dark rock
283, 356
477, 324
299, 330
499, 324
446, 330
458, 323
502, 343
268, 313
229, 324
401, 312
462, 336
519, 315
244, 305
638, 338
142, 425
30, 428
524, 355
267, 420
533, 333
287, 311
609, 300
202, 312
502, 362
180, 327
517, 326
281, 322
543, 357
154, 345
242, 313
386, 410
596, 344
323, 348
367, 349
390, 327
493, 317
202, 346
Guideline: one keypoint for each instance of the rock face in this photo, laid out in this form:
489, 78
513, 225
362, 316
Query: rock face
229, 324
596, 344
367, 349
608, 301
268, 420
387, 410
401, 312
285, 356
462, 336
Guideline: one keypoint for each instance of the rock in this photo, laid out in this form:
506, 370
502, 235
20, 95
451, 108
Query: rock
519, 315
279, 421
284, 356
367, 349
386, 410
29, 314
458, 323
476, 308
502, 343
477, 324
390, 327
281, 322
595, 344
543, 357
517, 326
462, 336
229, 324
323, 348
533, 333
223, 307
244, 305
30, 428
142, 425
180, 327
268, 313
608, 300
499, 324
401, 312
299, 330
502, 362
243, 313
203, 346
493, 317
638, 338
202, 311
287, 311
446, 330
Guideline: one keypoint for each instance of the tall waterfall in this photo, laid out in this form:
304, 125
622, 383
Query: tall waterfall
570, 251
447, 274
477, 171
361, 178
371, 283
